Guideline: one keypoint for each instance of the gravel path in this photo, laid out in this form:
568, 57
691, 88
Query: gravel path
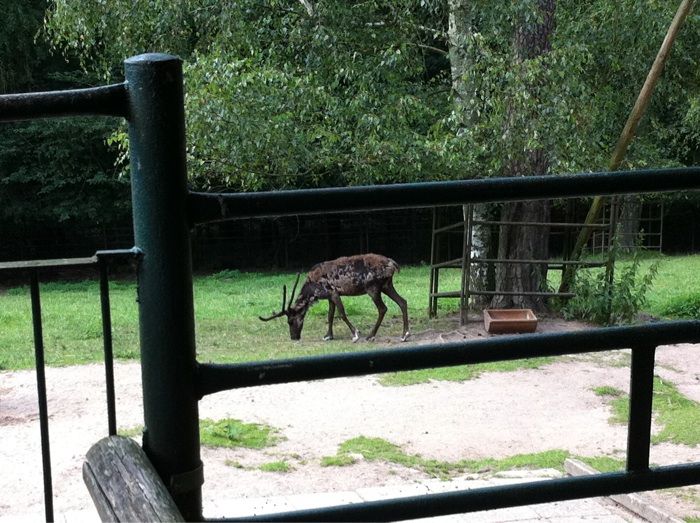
495, 415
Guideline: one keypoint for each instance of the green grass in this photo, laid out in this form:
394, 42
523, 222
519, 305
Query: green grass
276, 466
339, 460
377, 449
678, 416
72, 325
130, 432
604, 463
619, 403
227, 306
229, 433
233, 433
460, 373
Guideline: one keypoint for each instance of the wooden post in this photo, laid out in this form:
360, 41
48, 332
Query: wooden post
124, 485
627, 135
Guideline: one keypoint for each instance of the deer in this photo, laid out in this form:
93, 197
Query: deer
370, 274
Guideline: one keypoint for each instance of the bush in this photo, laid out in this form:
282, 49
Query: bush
600, 302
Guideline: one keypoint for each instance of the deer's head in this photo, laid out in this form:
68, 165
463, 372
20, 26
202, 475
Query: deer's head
295, 312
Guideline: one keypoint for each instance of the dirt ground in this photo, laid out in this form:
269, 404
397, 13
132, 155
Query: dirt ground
495, 415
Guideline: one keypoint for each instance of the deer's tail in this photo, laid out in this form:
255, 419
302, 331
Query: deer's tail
394, 265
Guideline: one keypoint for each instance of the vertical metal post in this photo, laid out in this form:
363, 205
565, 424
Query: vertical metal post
466, 264
432, 300
108, 352
41, 393
166, 316
641, 396
610, 259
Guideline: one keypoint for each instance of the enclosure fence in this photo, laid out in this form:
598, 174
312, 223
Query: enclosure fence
151, 99
99, 263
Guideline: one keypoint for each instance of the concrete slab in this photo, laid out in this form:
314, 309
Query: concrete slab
585, 510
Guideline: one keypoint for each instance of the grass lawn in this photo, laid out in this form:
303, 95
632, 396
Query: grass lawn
227, 306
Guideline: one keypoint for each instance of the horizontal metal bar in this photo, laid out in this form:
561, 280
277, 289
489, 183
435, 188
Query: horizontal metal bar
61, 262
119, 253
522, 293
540, 262
449, 264
71, 262
213, 377
207, 207
458, 294
546, 224
108, 100
449, 227
502, 496
446, 294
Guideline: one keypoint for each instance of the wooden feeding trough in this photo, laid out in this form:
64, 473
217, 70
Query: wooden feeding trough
509, 321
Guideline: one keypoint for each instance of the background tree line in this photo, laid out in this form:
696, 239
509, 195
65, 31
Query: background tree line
312, 93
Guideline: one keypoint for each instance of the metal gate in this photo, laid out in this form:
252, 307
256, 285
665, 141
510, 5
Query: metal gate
151, 99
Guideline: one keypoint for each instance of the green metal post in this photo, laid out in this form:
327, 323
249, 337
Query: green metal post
166, 317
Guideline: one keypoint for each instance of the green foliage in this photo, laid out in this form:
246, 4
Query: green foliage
234, 433
600, 301
345, 93
59, 179
21, 21
685, 306
51, 171
377, 449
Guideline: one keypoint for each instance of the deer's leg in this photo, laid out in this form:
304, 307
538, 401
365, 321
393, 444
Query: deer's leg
376, 295
331, 316
335, 298
389, 290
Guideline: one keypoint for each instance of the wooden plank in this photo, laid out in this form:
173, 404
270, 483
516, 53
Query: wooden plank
124, 485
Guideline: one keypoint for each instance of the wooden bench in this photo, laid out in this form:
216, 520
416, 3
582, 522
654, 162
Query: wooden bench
124, 485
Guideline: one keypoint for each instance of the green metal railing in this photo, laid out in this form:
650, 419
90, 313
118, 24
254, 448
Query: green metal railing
33, 269
151, 100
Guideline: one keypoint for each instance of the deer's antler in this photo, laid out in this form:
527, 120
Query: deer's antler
284, 310
291, 298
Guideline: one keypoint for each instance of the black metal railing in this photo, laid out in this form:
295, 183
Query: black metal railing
151, 100
643, 341
100, 261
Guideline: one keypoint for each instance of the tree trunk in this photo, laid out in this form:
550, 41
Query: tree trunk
460, 28
521, 242
629, 222
526, 242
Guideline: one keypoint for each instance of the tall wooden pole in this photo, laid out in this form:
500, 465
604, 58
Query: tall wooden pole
626, 136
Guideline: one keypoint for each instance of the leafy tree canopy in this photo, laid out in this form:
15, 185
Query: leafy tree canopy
50, 170
320, 93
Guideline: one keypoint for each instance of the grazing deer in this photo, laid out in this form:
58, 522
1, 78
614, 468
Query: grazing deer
347, 276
